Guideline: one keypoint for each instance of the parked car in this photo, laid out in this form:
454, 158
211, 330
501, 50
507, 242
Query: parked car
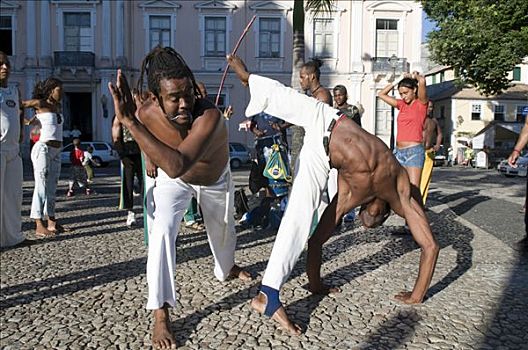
440, 157
520, 170
103, 152
238, 155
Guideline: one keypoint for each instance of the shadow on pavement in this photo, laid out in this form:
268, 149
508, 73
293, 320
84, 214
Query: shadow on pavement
509, 326
400, 327
459, 237
70, 283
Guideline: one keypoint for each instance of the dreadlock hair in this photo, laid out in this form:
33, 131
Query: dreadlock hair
164, 63
44, 88
313, 67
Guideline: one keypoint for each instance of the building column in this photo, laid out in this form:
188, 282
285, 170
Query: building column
120, 38
45, 45
106, 36
31, 40
356, 18
104, 110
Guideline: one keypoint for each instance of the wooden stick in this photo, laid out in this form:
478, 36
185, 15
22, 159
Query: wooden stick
234, 51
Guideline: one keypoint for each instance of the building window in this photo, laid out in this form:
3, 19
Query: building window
498, 112
442, 77
215, 36
521, 113
517, 73
434, 79
475, 111
324, 38
386, 37
383, 117
160, 31
6, 35
269, 37
77, 31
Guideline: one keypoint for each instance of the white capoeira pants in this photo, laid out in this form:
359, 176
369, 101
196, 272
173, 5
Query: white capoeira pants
313, 166
170, 198
10, 198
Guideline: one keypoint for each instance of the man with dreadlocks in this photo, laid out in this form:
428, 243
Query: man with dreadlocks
185, 136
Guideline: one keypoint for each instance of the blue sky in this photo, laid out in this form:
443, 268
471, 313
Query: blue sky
427, 26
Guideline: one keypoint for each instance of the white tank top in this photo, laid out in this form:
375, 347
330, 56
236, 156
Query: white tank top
51, 129
9, 118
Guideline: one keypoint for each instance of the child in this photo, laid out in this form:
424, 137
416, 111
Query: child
78, 174
88, 162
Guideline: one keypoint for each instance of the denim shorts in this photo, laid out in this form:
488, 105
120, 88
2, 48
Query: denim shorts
412, 157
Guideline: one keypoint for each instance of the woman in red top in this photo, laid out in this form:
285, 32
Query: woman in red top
409, 148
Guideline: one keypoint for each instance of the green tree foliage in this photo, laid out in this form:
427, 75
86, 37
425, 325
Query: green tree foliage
482, 40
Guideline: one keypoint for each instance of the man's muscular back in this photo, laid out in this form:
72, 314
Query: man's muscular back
363, 160
210, 165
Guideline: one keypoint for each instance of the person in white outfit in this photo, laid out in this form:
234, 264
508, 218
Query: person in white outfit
45, 154
184, 135
368, 174
11, 125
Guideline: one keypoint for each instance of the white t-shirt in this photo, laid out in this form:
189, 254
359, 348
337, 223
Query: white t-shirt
9, 118
75, 133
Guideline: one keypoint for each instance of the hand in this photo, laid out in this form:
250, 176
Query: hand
124, 103
150, 168
276, 126
436, 148
259, 133
512, 159
228, 112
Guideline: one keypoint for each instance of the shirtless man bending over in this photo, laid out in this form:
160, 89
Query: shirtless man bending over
368, 175
185, 136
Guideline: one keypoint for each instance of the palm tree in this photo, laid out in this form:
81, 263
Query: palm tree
316, 6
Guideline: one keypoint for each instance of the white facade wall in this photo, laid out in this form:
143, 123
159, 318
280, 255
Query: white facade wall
118, 34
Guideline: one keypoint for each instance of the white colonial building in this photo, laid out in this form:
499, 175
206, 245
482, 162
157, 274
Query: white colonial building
83, 42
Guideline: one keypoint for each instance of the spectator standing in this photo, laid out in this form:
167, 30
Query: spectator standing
75, 133
89, 162
340, 102
130, 156
409, 148
78, 172
45, 154
432, 134
11, 125
512, 160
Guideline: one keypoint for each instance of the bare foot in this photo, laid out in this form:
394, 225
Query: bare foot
237, 272
42, 231
239, 67
259, 304
323, 289
407, 298
162, 337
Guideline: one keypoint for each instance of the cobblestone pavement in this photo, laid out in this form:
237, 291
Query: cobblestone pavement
86, 289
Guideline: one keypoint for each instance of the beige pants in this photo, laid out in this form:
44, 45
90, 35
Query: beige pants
10, 198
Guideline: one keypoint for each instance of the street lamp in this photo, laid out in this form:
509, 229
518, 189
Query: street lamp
393, 62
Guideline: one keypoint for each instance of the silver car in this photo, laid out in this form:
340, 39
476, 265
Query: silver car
238, 155
103, 152
520, 170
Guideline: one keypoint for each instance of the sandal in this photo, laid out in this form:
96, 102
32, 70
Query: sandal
197, 226
60, 229
45, 235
